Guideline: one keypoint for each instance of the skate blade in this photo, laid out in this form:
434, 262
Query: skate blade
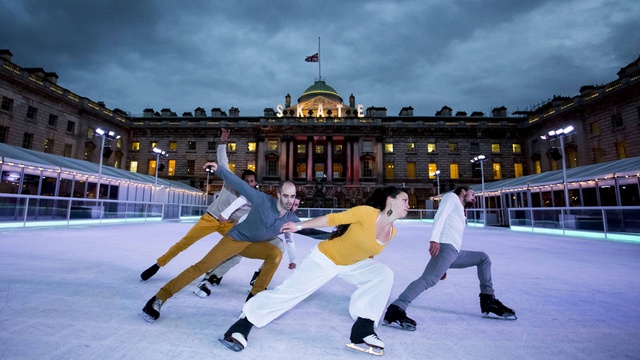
231, 345
200, 293
365, 348
146, 317
496, 317
398, 325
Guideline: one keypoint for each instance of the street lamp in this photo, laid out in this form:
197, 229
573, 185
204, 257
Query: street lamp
159, 153
437, 173
104, 135
561, 134
480, 159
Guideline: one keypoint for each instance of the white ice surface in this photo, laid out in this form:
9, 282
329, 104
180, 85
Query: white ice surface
74, 293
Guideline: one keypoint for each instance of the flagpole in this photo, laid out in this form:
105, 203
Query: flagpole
319, 57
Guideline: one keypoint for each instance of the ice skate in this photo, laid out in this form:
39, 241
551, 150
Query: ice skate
151, 311
203, 289
147, 274
490, 305
255, 276
214, 280
397, 318
236, 337
364, 339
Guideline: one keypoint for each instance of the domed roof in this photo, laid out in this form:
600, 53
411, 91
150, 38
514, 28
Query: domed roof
320, 88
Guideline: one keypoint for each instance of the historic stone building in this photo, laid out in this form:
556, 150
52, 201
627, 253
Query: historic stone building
335, 152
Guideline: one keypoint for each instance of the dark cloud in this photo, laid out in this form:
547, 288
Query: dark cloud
467, 54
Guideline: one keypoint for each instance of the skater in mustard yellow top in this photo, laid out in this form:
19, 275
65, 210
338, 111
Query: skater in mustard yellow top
364, 232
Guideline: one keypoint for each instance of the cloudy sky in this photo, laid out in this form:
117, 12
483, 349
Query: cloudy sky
471, 55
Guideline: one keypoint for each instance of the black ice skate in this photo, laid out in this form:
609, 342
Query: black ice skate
152, 270
490, 305
236, 337
255, 276
397, 318
364, 339
151, 311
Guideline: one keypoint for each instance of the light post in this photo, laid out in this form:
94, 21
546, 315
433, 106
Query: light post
480, 159
561, 134
158, 153
104, 135
437, 173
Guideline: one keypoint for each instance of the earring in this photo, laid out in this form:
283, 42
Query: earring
389, 212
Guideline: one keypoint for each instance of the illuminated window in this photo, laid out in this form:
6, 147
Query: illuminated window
453, 148
537, 167
153, 144
302, 149
388, 148
232, 167
90, 132
338, 170
495, 148
272, 145
621, 149
497, 171
135, 146
517, 149
172, 168
319, 149
301, 169
453, 170
173, 145
152, 167
231, 147
411, 170
432, 170
251, 165
389, 170
431, 147
133, 167
411, 147
518, 169
252, 146
119, 143
337, 149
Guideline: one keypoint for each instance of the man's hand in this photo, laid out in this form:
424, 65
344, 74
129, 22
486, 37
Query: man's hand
434, 248
292, 266
213, 165
224, 136
289, 227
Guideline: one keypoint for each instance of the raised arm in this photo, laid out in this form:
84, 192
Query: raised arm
320, 221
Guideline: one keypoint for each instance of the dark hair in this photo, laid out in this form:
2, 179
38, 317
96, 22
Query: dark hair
377, 199
282, 183
459, 189
248, 172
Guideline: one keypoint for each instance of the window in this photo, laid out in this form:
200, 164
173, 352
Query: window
474, 148
454, 170
621, 149
172, 168
389, 170
432, 170
252, 146
53, 120
48, 146
411, 170
597, 155
272, 167
337, 149
191, 145
68, 150
272, 145
338, 170
173, 146
497, 171
517, 149
71, 127
319, 170
535, 146
152, 167
232, 167
301, 169
411, 147
302, 149
388, 148
153, 144
7, 104
211, 146
191, 166
495, 148
367, 146
3, 134
537, 167
431, 147
251, 165
135, 146
32, 112
367, 168
231, 147
27, 140
594, 128
616, 121
453, 148
319, 149
517, 167
134, 166
90, 133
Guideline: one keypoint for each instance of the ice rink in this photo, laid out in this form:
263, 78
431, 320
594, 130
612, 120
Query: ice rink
75, 293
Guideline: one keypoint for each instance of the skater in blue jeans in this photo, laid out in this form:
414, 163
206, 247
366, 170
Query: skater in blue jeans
444, 247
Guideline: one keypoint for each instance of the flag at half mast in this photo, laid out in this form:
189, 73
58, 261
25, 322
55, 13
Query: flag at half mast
312, 58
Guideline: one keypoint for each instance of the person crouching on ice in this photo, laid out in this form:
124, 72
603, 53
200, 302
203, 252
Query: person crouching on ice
364, 231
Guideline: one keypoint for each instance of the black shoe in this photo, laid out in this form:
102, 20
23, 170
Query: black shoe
362, 333
214, 279
151, 310
152, 270
489, 304
396, 317
203, 289
255, 276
